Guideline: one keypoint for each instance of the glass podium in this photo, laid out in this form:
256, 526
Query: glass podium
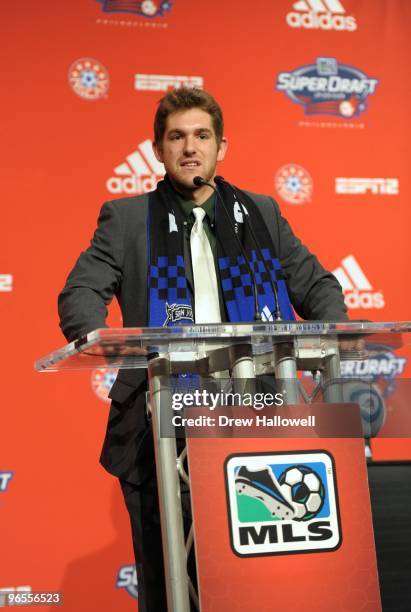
275, 423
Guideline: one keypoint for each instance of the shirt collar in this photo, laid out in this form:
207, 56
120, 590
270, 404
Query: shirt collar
186, 206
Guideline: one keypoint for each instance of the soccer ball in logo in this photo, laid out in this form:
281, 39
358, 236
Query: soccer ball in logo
304, 489
149, 8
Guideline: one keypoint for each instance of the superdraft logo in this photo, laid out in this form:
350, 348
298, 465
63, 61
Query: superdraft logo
321, 15
381, 363
328, 88
371, 382
282, 503
144, 8
127, 579
358, 291
139, 173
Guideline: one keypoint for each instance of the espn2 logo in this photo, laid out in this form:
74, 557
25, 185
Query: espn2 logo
362, 186
163, 82
358, 291
282, 503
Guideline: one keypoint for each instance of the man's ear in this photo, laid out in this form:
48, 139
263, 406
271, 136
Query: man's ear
158, 152
222, 149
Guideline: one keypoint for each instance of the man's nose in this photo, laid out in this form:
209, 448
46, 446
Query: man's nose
189, 145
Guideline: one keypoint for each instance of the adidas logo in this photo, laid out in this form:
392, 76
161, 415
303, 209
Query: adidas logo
266, 314
139, 173
357, 288
320, 14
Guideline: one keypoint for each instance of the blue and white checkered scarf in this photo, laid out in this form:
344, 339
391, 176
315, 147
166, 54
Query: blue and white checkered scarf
169, 296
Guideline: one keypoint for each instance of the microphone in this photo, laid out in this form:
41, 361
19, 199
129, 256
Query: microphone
199, 182
277, 310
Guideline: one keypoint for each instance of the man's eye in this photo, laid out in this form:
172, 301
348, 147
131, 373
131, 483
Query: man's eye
204, 135
175, 136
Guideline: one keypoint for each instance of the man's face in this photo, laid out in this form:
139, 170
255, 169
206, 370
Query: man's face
189, 148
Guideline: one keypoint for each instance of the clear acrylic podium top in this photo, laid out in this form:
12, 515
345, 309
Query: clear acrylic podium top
131, 347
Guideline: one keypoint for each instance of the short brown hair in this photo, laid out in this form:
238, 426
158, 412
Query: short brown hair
185, 98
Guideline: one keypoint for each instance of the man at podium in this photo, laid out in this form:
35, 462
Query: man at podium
195, 249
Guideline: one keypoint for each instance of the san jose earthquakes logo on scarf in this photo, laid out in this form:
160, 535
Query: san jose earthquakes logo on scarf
169, 296
177, 313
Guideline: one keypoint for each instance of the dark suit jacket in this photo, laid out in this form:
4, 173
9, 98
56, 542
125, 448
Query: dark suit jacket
116, 264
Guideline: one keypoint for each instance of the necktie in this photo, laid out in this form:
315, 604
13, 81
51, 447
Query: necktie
207, 307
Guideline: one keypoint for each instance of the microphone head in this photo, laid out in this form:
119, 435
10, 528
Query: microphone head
199, 181
219, 179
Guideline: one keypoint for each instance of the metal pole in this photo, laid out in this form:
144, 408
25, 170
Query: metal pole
285, 368
243, 373
172, 527
331, 373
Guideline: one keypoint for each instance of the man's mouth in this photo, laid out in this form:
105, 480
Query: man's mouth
190, 164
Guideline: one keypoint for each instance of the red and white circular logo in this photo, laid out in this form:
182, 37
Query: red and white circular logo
102, 380
88, 78
294, 184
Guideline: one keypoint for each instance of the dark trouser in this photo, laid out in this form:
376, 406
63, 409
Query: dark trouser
142, 505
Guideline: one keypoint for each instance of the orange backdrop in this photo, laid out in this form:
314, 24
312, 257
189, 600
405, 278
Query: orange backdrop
80, 84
